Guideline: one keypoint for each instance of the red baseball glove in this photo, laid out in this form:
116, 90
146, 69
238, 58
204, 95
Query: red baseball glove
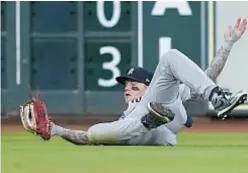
35, 118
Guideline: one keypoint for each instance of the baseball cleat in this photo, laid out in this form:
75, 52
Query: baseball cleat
236, 100
224, 102
158, 115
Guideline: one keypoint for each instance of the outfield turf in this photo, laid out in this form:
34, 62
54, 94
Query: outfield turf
195, 153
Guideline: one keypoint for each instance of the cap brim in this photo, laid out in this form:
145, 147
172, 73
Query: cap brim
122, 79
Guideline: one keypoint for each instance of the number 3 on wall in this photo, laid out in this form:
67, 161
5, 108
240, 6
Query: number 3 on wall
111, 66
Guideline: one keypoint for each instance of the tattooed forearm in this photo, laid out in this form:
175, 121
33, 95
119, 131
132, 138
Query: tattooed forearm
218, 63
76, 137
215, 68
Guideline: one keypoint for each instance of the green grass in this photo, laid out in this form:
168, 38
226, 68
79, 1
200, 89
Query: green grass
195, 153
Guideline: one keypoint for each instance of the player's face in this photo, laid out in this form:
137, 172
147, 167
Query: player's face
133, 90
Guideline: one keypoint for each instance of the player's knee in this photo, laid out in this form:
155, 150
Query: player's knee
172, 56
170, 53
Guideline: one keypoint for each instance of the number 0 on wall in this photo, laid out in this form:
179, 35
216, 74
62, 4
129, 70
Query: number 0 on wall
115, 17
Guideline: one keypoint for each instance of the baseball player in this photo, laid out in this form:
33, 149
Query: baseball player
157, 117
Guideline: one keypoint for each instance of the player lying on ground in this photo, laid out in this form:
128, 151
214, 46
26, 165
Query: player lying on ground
141, 124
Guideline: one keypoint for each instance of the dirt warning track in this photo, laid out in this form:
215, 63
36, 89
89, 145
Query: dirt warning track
201, 124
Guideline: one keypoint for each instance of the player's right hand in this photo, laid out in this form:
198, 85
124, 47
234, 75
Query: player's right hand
233, 34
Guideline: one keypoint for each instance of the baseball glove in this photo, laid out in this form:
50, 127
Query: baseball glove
35, 119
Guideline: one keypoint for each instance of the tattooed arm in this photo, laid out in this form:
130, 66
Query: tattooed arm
231, 36
76, 137
218, 63
214, 69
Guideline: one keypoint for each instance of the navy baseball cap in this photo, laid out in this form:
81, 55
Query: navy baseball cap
136, 74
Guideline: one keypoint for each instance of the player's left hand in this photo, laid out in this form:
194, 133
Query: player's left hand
31, 114
233, 34
27, 115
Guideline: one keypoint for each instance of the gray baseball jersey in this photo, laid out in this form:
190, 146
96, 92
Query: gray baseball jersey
173, 69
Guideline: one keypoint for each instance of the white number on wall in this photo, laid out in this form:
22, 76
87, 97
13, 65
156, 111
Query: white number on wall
101, 14
111, 66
